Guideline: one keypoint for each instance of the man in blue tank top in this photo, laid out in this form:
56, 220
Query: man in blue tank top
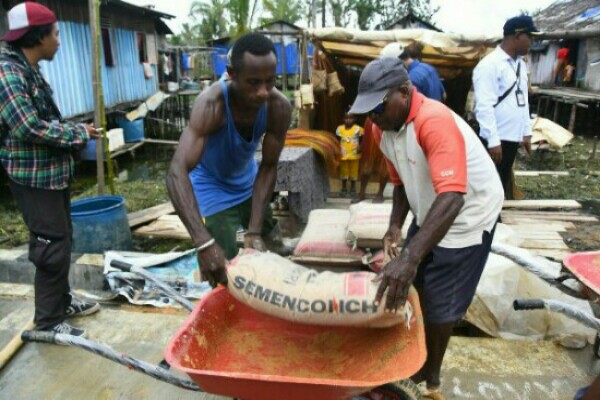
214, 181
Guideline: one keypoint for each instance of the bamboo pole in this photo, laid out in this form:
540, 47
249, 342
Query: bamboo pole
102, 151
14, 345
94, 9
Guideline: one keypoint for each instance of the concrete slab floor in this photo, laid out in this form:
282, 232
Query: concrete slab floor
474, 368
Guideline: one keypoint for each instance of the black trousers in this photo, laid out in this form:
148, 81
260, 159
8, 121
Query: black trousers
509, 153
47, 214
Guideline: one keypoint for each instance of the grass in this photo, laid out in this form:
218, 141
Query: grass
583, 182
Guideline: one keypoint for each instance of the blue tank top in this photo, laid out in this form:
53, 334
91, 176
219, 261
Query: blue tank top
225, 175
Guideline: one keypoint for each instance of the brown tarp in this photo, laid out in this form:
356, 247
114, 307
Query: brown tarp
350, 50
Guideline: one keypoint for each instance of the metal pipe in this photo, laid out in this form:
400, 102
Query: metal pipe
104, 351
560, 307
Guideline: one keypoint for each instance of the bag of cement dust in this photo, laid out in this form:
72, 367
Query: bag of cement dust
277, 286
323, 241
368, 224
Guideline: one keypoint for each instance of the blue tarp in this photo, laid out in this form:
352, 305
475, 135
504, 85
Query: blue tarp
292, 58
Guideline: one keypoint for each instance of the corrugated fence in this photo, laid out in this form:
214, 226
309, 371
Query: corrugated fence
70, 73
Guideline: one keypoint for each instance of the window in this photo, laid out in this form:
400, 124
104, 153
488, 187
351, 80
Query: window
109, 55
142, 49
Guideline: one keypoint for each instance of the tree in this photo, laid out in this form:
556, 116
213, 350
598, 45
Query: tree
341, 12
211, 14
391, 11
365, 11
283, 10
190, 35
241, 13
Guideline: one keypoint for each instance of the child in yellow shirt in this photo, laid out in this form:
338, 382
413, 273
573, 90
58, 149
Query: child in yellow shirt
350, 136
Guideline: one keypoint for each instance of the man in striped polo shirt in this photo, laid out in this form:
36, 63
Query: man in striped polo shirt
441, 173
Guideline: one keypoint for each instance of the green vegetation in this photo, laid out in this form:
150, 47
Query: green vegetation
583, 182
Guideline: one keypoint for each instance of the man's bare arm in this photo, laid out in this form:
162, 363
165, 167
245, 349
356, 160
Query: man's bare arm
206, 118
278, 123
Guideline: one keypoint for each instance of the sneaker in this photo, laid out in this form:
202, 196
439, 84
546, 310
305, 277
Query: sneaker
66, 329
79, 308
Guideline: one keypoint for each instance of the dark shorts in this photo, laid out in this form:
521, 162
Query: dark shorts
223, 226
447, 278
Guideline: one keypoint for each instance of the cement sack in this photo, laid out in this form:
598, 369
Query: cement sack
277, 286
323, 241
368, 224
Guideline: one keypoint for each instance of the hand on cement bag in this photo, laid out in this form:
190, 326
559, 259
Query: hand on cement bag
392, 243
397, 277
212, 265
254, 241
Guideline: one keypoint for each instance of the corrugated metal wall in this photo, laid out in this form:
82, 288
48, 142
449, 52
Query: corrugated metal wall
542, 64
69, 74
592, 73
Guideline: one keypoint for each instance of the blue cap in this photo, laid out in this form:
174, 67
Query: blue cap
520, 24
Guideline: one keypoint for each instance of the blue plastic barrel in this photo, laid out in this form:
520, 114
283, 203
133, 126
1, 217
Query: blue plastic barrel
133, 131
100, 224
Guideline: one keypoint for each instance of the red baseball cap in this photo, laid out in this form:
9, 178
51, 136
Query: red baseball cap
25, 15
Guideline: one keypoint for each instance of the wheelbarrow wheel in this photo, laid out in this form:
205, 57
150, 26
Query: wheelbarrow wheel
401, 390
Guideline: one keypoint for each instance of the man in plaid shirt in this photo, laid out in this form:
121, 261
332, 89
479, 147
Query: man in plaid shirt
36, 147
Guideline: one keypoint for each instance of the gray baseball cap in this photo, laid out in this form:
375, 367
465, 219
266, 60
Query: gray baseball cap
376, 80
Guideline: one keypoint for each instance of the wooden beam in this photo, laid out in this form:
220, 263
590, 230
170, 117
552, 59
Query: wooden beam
538, 173
538, 204
142, 217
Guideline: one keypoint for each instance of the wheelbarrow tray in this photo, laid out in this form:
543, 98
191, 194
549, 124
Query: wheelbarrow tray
229, 349
586, 267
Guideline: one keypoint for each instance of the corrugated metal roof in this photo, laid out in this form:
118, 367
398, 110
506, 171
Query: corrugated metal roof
70, 73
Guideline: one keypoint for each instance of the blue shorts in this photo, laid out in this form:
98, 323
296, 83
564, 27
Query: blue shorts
447, 278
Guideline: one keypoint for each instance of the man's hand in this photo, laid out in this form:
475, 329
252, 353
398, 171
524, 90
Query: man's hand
527, 145
92, 132
391, 242
397, 277
496, 154
212, 265
254, 241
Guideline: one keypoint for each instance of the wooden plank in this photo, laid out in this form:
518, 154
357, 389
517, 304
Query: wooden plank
538, 173
164, 228
537, 204
520, 219
544, 244
542, 227
539, 235
142, 217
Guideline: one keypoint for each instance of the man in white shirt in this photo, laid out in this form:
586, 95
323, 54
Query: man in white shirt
501, 97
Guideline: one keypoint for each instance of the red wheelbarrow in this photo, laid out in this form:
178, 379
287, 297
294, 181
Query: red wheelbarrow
229, 349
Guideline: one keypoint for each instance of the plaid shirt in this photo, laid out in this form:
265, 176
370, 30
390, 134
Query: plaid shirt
35, 143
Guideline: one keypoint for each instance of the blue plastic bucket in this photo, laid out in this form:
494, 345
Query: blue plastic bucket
100, 224
133, 131
89, 153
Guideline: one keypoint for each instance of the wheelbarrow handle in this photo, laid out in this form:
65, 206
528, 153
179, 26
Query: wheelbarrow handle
123, 266
528, 305
38, 336
144, 367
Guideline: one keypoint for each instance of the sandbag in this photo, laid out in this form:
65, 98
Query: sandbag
368, 224
323, 241
279, 287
